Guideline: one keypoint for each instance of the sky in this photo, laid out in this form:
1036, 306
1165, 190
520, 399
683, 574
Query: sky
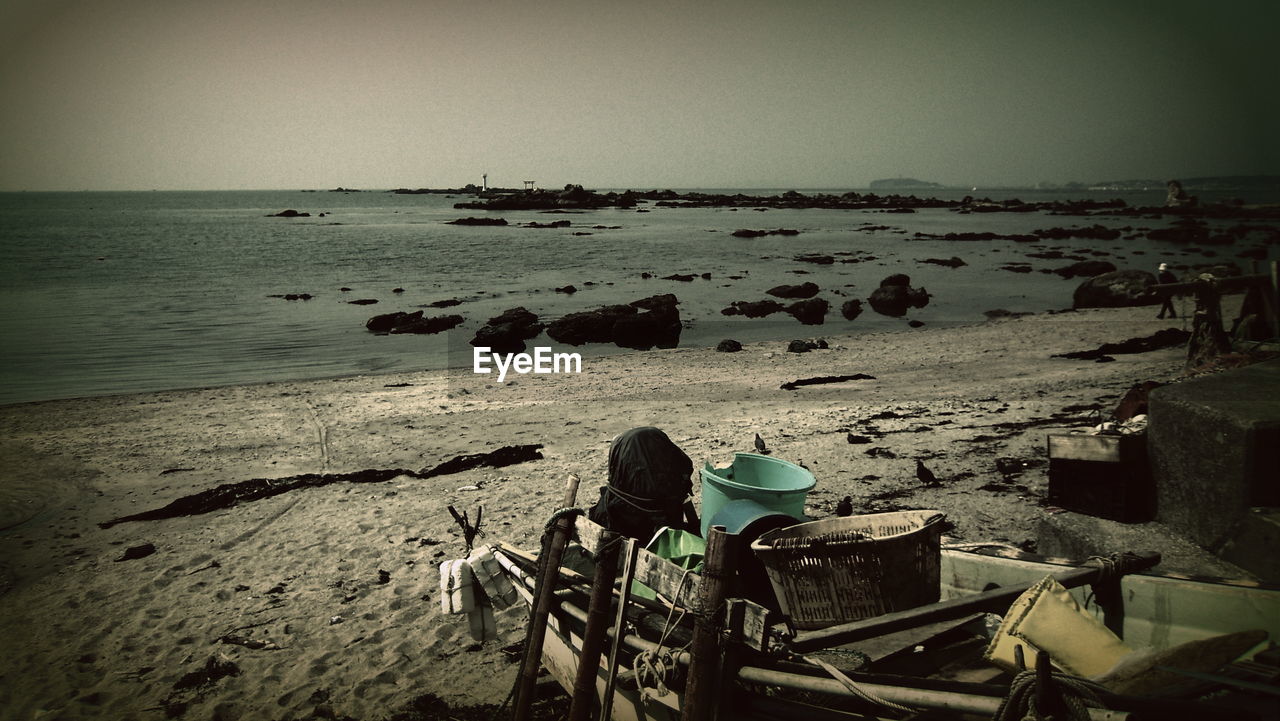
223, 94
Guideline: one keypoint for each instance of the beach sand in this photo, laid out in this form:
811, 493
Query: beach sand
84, 634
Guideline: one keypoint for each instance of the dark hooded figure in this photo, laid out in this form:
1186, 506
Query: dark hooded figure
649, 486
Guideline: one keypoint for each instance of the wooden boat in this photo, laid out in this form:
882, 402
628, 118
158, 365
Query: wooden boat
766, 671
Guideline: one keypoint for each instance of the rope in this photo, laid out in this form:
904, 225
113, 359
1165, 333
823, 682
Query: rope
855, 689
634, 501
1077, 695
1108, 567
652, 666
561, 513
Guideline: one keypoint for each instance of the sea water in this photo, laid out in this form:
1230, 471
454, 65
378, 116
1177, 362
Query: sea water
114, 292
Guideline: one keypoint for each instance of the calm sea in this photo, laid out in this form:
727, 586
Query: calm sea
118, 292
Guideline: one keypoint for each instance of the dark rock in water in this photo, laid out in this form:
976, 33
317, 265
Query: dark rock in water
809, 312
804, 290
1019, 268
294, 296
397, 290
477, 221
916, 323
998, 313
682, 277
567, 289
952, 262
757, 309
643, 324
363, 301
345, 289
290, 213
1085, 269
894, 298
706, 276
1116, 289
729, 345
1178, 198
449, 303
761, 233
507, 332
592, 326
801, 346
851, 309
401, 322
1183, 230
817, 258
136, 552
552, 224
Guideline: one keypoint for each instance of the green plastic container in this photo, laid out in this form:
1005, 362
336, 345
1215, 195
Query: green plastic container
773, 483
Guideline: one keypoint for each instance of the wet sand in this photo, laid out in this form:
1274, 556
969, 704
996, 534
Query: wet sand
341, 584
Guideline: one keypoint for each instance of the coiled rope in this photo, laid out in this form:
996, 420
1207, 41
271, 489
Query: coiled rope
1077, 696
652, 667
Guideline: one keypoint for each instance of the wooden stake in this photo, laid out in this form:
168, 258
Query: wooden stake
593, 638
548, 571
624, 600
702, 690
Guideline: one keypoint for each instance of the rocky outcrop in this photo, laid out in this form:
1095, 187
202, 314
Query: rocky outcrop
642, 324
573, 196
745, 233
895, 295
952, 262
414, 322
804, 290
816, 258
809, 312
851, 309
1178, 198
753, 309
290, 213
728, 345
1116, 289
508, 331
477, 221
1085, 269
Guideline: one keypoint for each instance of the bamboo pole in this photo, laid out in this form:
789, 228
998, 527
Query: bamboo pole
997, 600
701, 691
593, 638
619, 632
548, 571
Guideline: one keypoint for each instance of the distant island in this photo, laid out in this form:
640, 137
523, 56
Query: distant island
903, 184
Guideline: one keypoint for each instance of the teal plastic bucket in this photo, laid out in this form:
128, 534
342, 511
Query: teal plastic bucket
771, 482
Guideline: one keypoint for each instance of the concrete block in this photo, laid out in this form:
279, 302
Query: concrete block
1214, 445
1253, 544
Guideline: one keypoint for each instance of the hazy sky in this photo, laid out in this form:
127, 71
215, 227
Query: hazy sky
211, 94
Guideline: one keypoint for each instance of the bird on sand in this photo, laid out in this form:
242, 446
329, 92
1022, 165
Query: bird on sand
844, 508
926, 476
760, 446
